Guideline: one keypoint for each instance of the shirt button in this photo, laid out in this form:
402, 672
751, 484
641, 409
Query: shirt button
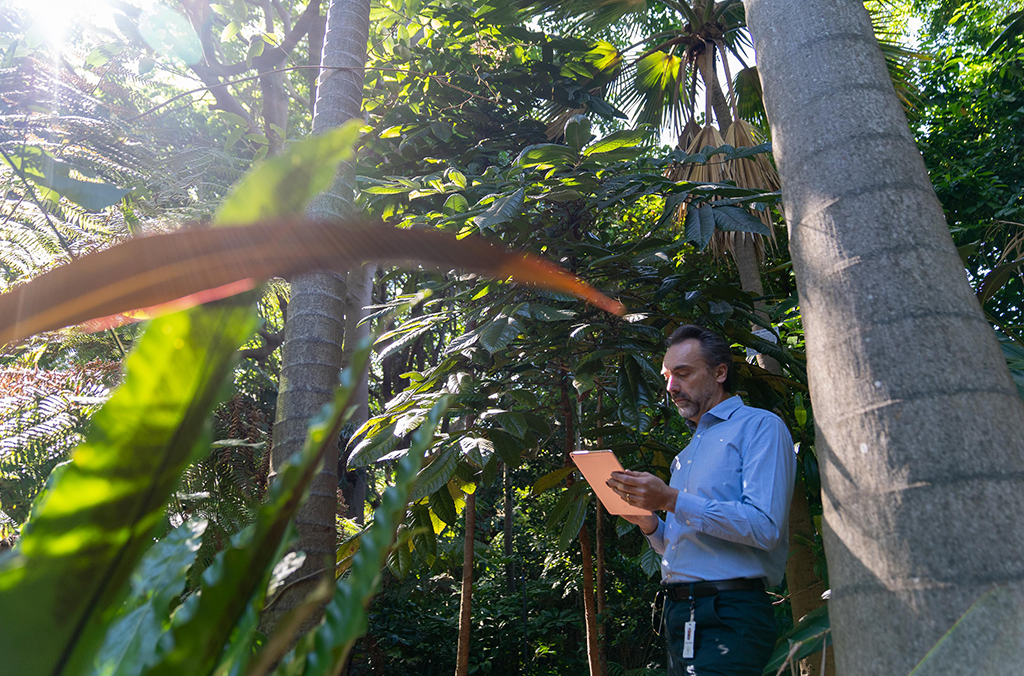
689, 462
687, 522
684, 490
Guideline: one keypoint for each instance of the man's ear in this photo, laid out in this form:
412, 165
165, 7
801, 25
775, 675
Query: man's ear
721, 373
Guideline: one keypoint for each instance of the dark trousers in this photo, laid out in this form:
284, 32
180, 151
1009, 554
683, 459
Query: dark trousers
735, 634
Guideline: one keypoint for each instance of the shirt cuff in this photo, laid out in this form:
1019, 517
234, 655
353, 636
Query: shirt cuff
657, 538
690, 510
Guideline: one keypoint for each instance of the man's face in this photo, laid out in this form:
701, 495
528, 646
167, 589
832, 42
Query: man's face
691, 384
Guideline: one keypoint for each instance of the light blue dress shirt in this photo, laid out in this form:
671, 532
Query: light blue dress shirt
735, 481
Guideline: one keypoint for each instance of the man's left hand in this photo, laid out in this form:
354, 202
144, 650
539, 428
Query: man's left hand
644, 490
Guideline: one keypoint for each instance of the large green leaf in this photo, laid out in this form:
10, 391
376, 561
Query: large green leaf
130, 644
435, 475
95, 520
243, 569
551, 479
620, 145
501, 210
97, 516
546, 154
700, 225
577, 132
739, 220
574, 521
371, 448
499, 332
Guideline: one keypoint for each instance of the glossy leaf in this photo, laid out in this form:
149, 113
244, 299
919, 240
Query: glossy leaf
574, 521
373, 447
436, 474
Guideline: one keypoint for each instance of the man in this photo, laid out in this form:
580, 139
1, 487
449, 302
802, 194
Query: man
725, 534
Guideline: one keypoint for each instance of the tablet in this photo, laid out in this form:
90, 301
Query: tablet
597, 467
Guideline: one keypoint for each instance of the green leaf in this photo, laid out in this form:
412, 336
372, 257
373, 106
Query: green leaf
650, 562
546, 154
513, 423
574, 522
502, 209
96, 517
699, 225
373, 447
623, 527
286, 183
499, 332
508, 448
456, 177
810, 633
551, 479
255, 49
443, 505
103, 54
621, 145
435, 475
631, 392
739, 220
455, 204
53, 174
230, 31
130, 644
146, 64
577, 132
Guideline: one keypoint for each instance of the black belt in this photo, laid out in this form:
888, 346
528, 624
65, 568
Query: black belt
680, 591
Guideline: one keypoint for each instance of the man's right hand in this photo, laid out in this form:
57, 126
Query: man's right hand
648, 522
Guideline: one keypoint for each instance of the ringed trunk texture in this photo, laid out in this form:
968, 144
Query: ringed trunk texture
466, 600
920, 431
312, 351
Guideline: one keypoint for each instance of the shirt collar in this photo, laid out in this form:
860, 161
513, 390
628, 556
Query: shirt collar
723, 410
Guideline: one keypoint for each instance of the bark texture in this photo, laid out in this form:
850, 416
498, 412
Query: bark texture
920, 432
358, 295
589, 608
312, 350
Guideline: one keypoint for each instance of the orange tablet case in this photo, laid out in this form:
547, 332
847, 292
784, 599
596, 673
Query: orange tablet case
597, 467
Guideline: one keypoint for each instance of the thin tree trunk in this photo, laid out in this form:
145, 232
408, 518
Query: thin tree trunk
589, 609
920, 431
359, 294
466, 601
510, 572
714, 97
599, 551
312, 350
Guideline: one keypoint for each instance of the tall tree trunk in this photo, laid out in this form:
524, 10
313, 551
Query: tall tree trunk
714, 97
920, 431
466, 601
312, 350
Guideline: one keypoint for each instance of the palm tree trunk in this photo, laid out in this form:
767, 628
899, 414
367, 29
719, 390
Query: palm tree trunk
466, 601
920, 431
312, 351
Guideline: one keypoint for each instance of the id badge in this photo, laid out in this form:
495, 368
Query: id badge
689, 632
